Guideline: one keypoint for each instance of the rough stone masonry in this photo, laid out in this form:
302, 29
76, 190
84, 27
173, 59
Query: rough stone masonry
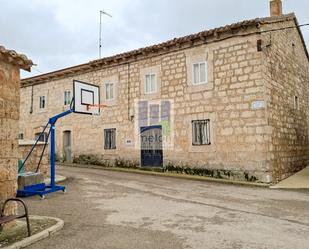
10, 63
254, 99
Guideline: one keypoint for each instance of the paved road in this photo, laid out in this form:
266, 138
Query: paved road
112, 210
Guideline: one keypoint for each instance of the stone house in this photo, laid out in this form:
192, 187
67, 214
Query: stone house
231, 100
10, 64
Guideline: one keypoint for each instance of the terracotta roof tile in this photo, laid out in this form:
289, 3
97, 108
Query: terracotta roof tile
13, 57
127, 56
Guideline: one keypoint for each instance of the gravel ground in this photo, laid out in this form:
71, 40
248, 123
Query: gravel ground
115, 210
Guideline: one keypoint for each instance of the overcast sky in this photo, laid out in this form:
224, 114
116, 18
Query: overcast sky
60, 33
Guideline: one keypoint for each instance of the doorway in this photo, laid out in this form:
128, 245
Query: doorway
151, 146
67, 151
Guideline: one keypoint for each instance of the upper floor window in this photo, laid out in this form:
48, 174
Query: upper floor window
110, 139
200, 73
201, 132
109, 91
21, 136
150, 83
42, 102
67, 97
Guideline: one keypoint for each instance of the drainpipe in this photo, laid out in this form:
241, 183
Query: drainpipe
31, 102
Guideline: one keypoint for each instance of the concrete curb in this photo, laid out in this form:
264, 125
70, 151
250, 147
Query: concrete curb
38, 236
164, 174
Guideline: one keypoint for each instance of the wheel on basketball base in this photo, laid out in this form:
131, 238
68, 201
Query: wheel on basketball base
42, 197
64, 191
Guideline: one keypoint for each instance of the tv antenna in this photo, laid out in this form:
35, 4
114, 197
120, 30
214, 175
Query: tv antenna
102, 12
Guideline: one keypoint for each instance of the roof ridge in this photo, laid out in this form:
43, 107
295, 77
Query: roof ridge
169, 43
218, 29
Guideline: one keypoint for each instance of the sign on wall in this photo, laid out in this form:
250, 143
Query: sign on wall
260, 104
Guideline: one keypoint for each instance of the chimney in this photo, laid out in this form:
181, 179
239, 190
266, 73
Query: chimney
275, 7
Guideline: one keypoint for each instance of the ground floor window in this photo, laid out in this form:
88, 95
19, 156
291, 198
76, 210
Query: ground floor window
43, 138
201, 132
110, 139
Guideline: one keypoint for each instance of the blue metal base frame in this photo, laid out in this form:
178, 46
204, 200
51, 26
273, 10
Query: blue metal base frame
39, 189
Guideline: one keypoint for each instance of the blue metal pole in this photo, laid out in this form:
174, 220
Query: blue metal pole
52, 156
52, 122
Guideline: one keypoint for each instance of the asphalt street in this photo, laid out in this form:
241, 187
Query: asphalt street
115, 210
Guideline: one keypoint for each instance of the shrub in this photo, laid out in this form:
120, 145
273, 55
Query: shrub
216, 173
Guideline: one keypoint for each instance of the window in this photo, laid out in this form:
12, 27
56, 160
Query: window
201, 132
21, 136
67, 97
199, 73
42, 102
150, 83
109, 91
43, 138
296, 102
110, 139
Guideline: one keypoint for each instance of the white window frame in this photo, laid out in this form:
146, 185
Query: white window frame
40, 101
155, 83
199, 73
108, 98
66, 94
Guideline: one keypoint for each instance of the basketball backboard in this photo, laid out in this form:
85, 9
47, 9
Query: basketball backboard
86, 95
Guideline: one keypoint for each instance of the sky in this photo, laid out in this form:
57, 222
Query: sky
57, 34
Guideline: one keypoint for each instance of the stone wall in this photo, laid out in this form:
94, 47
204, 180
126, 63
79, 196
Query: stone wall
287, 76
33, 160
239, 100
239, 132
9, 115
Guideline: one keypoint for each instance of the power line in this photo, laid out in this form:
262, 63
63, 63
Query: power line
291, 27
301, 25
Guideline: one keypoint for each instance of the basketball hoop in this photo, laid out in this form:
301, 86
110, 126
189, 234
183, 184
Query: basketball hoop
94, 109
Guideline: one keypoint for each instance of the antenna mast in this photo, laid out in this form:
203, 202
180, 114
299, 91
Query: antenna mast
102, 12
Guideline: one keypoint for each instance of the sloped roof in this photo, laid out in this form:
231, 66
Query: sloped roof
13, 57
175, 44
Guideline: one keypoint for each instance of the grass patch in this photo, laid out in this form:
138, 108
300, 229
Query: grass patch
208, 172
10, 235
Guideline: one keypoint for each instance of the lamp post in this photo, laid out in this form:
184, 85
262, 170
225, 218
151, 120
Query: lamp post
102, 12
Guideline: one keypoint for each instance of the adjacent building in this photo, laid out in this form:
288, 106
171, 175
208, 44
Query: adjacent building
232, 100
10, 64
